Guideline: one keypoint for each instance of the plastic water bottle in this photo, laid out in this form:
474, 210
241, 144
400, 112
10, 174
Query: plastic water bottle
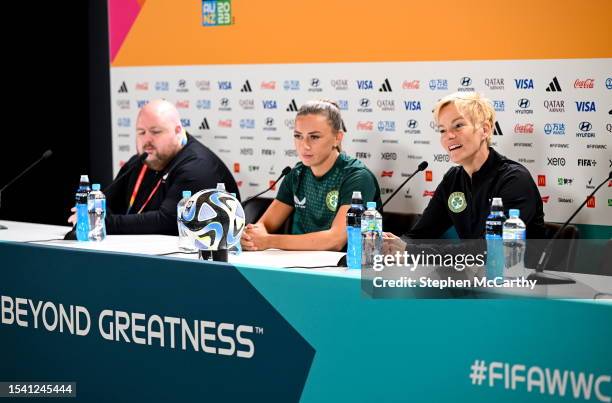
96, 208
371, 235
353, 230
236, 249
184, 242
494, 235
82, 219
514, 235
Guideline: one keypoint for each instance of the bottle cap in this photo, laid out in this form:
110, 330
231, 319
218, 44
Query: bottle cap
84, 178
371, 205
186, 193
95, 186
497, 201
356, 195
514, 212
220, 186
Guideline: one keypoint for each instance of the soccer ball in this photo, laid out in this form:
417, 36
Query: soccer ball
214, 219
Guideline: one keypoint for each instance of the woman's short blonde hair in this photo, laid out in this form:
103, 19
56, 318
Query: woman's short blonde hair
473, 106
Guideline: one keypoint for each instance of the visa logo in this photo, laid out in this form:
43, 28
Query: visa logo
523, 83
412, 105
365, 84
269, 104
585, 106
225, 85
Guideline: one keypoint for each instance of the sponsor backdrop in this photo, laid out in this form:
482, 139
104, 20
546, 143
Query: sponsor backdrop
238, 83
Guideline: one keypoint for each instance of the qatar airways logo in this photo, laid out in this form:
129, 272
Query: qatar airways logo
494, 83
203, 85
554, 106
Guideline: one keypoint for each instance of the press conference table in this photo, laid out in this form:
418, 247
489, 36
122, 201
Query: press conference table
314, 335
165, 245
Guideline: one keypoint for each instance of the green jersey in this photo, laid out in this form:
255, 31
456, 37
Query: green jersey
317, 200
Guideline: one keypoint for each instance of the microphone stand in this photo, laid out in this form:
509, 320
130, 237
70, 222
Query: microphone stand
549, 278
422, 166
282, 175
45, 155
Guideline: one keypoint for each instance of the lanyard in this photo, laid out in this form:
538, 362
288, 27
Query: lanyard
143, 170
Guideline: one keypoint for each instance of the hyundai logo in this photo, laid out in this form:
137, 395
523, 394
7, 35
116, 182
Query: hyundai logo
182, 83
364, 102
523, 103
466, 81
585, 126
314, 82
224, 101
269, 121
412, 124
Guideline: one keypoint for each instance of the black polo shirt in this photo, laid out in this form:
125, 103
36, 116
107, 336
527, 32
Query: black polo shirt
464, 202
194, 168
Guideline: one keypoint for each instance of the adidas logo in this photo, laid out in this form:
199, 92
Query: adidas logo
554, 86
204, 125
292, 106
123, 88
246, 87
386, 86
497, 131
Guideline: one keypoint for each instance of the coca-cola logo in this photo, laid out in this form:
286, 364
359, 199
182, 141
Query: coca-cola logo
411, 85
365, 126
525, 128
585, 84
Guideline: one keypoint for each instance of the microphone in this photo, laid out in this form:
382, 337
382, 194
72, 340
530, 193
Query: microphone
140, 159
286, 170
549, 278
45, 155
422, 166
71, 235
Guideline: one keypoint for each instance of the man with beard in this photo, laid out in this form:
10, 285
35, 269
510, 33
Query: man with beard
144, 200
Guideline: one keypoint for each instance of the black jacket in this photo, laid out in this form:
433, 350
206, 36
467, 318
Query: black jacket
498, 177
194, 168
